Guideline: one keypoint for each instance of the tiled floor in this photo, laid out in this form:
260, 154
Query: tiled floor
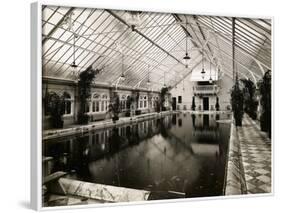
256, 156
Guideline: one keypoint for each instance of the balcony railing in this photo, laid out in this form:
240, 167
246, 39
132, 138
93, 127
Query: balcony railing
205, 90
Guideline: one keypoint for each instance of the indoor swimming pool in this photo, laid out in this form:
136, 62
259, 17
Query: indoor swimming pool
180, 154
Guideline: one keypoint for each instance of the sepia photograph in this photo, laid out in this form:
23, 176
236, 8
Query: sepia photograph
141, 106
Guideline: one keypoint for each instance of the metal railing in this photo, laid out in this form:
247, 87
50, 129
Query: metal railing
205, 89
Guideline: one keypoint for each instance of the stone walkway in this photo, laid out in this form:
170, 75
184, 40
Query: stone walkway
255, 149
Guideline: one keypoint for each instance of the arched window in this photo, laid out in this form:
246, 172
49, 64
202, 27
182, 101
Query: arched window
141, 102
66, 103
145, 101
95, 102
128, 102
104, 102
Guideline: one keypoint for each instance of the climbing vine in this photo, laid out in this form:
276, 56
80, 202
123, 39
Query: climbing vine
114, 107
85, 84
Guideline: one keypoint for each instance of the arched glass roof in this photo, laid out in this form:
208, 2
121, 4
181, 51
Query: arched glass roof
151, 48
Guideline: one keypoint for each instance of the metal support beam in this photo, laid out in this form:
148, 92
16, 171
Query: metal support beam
57, 25
143, 35
186, 74
233, 50
245, 52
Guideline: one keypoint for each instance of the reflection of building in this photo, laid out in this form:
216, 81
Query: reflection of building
205, 128
204, 122
97, 144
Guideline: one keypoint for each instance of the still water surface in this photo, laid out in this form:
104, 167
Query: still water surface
181, 153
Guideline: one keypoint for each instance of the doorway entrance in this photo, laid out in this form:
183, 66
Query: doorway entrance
205, 103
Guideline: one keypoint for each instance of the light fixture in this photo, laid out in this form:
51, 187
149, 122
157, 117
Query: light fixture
203, 70
186, 58
133, 18
210, 80
148, 77
165, 80
73, 64
122, 77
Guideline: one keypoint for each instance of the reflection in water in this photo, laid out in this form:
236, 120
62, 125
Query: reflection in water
206, 121
179, 153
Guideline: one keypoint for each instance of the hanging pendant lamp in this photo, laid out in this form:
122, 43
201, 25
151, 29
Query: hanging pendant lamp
122, 77
210, 80
203, 70
148, 78
73, 64
186, 57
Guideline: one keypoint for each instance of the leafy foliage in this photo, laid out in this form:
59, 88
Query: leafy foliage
250, 100
193, 106
55, 105
129, 102
237, 100
163, 93
217, 104
114, 107
85, 83
265, 92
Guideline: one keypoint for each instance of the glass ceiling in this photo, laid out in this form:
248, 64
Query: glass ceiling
151, 49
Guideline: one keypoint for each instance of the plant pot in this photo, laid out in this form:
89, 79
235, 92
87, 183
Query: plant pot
238, 122
128, 113
115, 118
83, 119
263, 125
138, 112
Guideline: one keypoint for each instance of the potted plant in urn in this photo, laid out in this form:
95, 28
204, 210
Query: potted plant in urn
217, 104
128, 106
193, 106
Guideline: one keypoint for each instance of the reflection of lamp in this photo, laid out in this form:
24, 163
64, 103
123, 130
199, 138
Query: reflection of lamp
186, 57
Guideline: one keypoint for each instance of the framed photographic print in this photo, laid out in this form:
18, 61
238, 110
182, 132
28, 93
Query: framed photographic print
135, 106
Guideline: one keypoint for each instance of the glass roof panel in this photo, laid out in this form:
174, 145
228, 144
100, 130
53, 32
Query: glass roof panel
105, 39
